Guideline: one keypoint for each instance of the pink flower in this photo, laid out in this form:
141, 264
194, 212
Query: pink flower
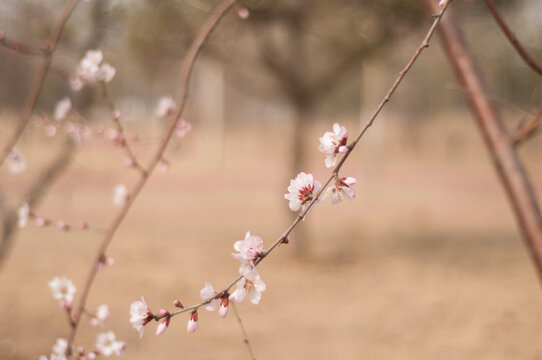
63, 290
208, 293
100, 316
193, 324
166, 106
441, 3
140, 315
249, 249
333, 143
301, 191
107, 344
341, 190
183, 127
250, 284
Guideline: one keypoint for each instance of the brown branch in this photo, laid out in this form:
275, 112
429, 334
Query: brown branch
124, 141
511, 174
186, 71
512, 38
36, 192
49, 48
21, 48
334, 174
243, 331
529, 129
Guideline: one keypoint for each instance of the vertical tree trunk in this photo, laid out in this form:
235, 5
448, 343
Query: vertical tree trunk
499, 143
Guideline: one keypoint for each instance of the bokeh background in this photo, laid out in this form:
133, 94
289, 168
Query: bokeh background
426, 263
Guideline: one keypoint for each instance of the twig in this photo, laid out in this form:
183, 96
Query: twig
124, 141
21, 48
284, 236
529, 129
186, 71
512, 38
49, 49
243, 331
500, 145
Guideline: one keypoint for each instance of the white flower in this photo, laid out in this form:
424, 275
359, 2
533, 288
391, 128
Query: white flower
140, 315
341, 190
60, 347
301, 191
63, 290
165, 106
23, 215
250, 284
183, 127
106, 73
441, 3
90, 70
120, 195
107, 345
62, 108
162, 326
58, 357
100, 316
333, 143
208, 293
193, 323
16, 161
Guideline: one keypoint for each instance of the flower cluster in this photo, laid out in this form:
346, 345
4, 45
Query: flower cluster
304, 189
16, 161
63, 290
90, 70
106, 345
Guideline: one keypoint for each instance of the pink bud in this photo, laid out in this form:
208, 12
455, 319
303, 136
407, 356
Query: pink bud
128, 162
83, 225
243, 13
99, 129
162, 326
223, 310
286, 241
163, 312
41, 222
81, 350
193, 323
116, 114
62, 225
178, 304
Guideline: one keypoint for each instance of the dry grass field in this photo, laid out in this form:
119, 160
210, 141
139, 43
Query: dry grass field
427, 262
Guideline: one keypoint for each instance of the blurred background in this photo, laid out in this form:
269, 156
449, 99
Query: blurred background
426, 263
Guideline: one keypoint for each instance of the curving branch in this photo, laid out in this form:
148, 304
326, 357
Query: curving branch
186, 71
48, 49
512, 38
284, 238
500, 145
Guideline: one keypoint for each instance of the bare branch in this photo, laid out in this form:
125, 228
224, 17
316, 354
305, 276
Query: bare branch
243, 331
529, 129
512, 38
498, 142
50, 47
186, 71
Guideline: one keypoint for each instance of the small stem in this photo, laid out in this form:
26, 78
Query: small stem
243, 331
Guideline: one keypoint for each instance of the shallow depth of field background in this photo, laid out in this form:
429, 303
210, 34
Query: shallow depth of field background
427, 263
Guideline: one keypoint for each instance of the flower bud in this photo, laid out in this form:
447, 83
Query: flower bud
178, 304
193, 323
223, 310
162, 326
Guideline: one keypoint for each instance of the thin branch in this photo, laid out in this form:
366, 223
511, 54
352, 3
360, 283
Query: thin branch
124, 141
529, 129
243, 331
50, 46
21, 48
509, 169
512, 38
283, 238
186, 71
